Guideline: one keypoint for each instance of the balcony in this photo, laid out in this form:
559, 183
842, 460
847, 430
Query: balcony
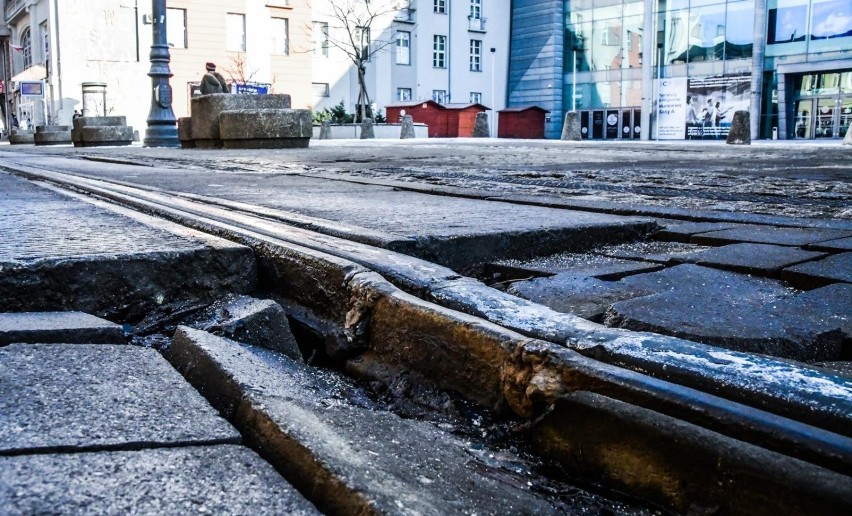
475, 24
13, 8
405, 15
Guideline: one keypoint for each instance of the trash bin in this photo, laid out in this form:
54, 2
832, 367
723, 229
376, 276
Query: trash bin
94, 98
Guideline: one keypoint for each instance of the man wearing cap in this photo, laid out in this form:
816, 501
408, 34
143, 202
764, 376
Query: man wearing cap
213, 82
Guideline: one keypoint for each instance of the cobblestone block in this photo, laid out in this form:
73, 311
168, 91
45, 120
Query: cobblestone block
681, 232
832, 246
760, 259
265, 128
222, 479
769, 235
58, 327
61, 397
205, 111
835, 268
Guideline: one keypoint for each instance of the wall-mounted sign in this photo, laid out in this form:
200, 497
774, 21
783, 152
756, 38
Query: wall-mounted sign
32, 88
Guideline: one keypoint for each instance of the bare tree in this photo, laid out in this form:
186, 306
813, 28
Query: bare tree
350, 32
240, 70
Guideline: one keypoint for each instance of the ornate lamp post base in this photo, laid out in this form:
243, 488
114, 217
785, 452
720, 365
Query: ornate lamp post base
162, 124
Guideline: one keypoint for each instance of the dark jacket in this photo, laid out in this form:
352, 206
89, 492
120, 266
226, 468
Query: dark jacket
213, 82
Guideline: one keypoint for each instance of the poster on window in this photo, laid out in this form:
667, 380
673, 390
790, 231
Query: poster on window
671, 108
711, 103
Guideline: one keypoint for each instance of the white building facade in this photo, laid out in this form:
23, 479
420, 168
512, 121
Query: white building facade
449, 51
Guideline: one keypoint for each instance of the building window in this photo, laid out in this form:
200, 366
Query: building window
403, 48
236, 32
475, 55
176, 28
280, 36
362, 37
475, 97
439, 51
26, 48
439, 6
320, 35
403, 94
475, 9
320, 89
439, 96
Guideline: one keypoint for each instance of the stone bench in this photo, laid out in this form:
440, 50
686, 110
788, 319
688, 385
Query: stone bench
205, 111
21, 136
265, 128
52, 135
96, 131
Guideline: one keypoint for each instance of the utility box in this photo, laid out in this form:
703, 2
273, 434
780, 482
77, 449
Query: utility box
521, 122
426, 112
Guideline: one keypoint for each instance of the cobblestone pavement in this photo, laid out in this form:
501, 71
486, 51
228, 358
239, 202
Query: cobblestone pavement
776, 178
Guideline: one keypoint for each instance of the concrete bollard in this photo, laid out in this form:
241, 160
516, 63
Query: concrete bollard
407, 128
740, 133
848, 139
571, 128
367, 132
480, 127
325, 130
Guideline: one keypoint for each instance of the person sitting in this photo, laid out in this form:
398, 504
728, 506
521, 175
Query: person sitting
213, 82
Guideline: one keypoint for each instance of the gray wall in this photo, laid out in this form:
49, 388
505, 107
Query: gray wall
535, 64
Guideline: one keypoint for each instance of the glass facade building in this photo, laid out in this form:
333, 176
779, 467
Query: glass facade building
679, 69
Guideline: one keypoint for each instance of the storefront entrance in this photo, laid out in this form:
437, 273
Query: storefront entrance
823, 117
610, 124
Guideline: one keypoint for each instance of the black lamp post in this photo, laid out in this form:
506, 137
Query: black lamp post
162, 124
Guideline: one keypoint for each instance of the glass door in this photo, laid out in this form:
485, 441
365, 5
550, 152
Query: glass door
845, 115
825, 118
804, 108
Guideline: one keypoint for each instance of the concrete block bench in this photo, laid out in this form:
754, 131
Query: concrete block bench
21, 136
52, 135
265, 128
95, 131
185, 132
205, 111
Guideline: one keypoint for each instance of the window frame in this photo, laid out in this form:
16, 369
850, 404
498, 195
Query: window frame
439, 51
476, 55
170, 24
399, 48
27, 48
403, 98
476, 97
359, 37
230, 38
475, 10
324, 86
276, 49
439, 96
320, 47
439, 6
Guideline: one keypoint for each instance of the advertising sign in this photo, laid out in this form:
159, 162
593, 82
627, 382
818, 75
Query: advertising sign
671, 108
712, 102
251, 89
32, 88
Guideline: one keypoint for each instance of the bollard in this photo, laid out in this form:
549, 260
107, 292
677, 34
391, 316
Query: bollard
367, 132
774, 133
407, 127
480, 126
740, 133
571, 127
325, 130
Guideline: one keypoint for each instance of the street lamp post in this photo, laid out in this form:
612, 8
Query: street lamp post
162, 124
493, 119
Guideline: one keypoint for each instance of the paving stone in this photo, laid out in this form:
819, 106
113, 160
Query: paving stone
223, 479
831, 305
83, 397
835, 268
728, 310
760, 259
681, 232
769, 235
833, 246
103, 259
261, 322
351, 457
53, 327
585, 264
657, 252
575, 294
